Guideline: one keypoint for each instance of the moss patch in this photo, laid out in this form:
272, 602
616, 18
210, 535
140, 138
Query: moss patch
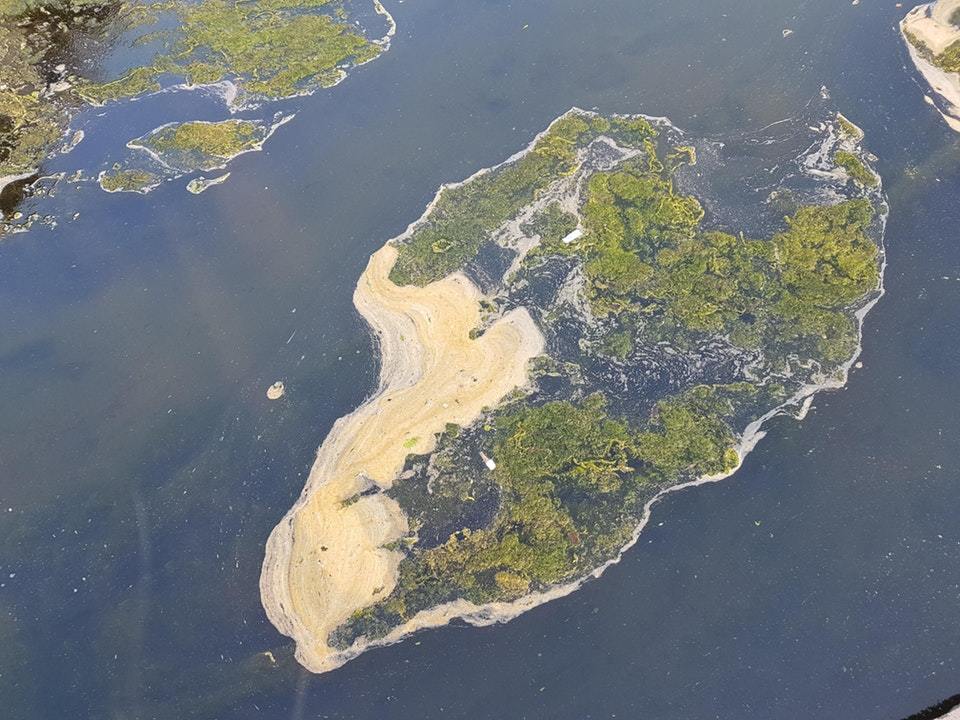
567, 471
129, 180
270, 48
36, 38
199, 145
646, 283
855, 168
464, 216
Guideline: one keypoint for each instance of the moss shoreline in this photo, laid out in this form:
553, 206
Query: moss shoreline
576, 471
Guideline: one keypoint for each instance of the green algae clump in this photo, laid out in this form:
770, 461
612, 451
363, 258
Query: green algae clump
128, 180
567, 470
36, 41
465, 215
270, 49
673, 326
855, 168
200, 145
215, 139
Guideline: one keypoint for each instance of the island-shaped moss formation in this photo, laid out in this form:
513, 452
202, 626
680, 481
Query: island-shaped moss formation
200, 184
175, 149
932, 34
564, 338
118, 179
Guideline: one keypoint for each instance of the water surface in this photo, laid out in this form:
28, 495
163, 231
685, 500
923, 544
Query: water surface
142, 467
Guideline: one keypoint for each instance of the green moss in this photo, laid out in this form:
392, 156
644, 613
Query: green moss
271, 48
219, 139
855, 168
826, 264
618, 344
465, 216
681, 155
137, 82
689, 436
34, 38
848, 129
566, 473
920, 46
948, 59
572, 475
644, 253
197, 145
130, 180
551, 225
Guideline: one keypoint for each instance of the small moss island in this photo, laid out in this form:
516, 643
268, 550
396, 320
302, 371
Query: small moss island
649, 320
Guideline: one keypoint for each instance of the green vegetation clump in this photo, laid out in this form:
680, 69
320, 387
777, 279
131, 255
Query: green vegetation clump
949, 59
689, 435
271, 48
36, 37
646, 255
855, 168
848, 129
553, 224
571, 480
618, 344
572, 475
128, 180
466, 215
215, 140
920, 46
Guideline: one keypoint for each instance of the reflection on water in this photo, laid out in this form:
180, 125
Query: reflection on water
142, 467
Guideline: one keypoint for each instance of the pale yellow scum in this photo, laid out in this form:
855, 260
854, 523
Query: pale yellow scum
326, 559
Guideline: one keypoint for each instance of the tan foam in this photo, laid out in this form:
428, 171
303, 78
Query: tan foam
325, 559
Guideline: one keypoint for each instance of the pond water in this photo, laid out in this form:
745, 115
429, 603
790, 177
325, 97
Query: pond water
142, 466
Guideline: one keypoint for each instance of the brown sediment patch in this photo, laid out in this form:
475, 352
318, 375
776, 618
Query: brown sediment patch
326, 560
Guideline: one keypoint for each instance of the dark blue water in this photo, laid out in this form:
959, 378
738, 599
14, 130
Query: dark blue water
141, 466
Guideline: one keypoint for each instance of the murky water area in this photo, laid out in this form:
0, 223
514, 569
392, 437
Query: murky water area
142, 466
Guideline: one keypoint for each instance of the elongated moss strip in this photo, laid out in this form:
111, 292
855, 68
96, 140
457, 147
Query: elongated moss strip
215, 139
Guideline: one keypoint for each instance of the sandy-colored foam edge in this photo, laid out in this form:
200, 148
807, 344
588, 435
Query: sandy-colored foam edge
946, 85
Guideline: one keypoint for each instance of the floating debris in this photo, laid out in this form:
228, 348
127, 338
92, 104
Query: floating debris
276, 391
